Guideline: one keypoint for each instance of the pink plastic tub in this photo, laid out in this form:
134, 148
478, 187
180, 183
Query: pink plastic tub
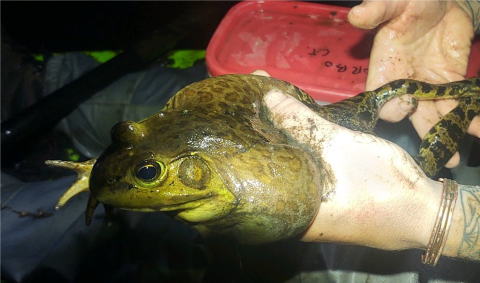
307, 44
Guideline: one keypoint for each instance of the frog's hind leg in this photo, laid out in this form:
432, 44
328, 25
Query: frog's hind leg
425, 91
360, 112
442, 141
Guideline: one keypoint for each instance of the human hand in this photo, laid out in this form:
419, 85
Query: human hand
375, 187
423, 40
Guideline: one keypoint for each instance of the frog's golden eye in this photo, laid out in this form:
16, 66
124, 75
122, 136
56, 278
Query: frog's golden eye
194, 172
149, 170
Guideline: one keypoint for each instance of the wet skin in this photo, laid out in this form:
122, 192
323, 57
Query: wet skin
213, 158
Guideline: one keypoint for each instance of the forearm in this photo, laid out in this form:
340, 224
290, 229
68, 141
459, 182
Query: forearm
472, 8
404, 222
464, 236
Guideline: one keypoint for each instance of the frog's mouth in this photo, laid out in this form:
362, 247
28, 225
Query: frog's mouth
190, 204
185, 204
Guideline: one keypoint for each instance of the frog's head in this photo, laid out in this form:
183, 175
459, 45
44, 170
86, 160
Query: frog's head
160, 164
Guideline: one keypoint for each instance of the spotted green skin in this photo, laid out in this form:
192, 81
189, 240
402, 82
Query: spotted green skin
223, 168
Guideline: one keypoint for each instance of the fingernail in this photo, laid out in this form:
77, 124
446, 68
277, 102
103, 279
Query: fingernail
273, 98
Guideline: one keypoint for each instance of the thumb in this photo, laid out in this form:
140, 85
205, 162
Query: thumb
370, 14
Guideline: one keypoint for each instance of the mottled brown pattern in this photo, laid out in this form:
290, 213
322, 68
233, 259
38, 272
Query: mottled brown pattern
361, 112
246, 178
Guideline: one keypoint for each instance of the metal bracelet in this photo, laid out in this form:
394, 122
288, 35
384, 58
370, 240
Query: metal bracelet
442, 225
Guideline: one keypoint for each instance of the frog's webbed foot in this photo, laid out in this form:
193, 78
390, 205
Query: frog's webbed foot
83, 170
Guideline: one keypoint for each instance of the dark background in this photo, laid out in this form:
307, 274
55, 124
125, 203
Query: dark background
47, 27
67, 26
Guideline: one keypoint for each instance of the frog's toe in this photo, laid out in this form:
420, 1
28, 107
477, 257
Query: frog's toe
81, 185
83, 170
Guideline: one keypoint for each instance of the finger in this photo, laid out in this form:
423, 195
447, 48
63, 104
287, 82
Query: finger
397, 109
445, 105
454, 161
370, 14
260, 73
474, 128
425, 117
300, 121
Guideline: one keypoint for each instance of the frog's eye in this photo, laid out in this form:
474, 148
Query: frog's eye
194, 172
149, 170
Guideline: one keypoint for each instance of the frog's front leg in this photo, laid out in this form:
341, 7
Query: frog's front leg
83, 170
442, 141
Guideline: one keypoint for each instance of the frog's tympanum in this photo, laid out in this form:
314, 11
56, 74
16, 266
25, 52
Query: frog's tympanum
213, 158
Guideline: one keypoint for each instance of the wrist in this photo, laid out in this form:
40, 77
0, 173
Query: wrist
441, 229
463, 239
421, 211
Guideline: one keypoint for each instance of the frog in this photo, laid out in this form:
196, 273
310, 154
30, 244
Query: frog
212, 158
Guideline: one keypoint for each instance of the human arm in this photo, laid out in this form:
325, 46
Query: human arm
424, 40
379, 197
464, 238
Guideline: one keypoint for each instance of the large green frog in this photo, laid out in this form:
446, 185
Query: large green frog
213, 159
